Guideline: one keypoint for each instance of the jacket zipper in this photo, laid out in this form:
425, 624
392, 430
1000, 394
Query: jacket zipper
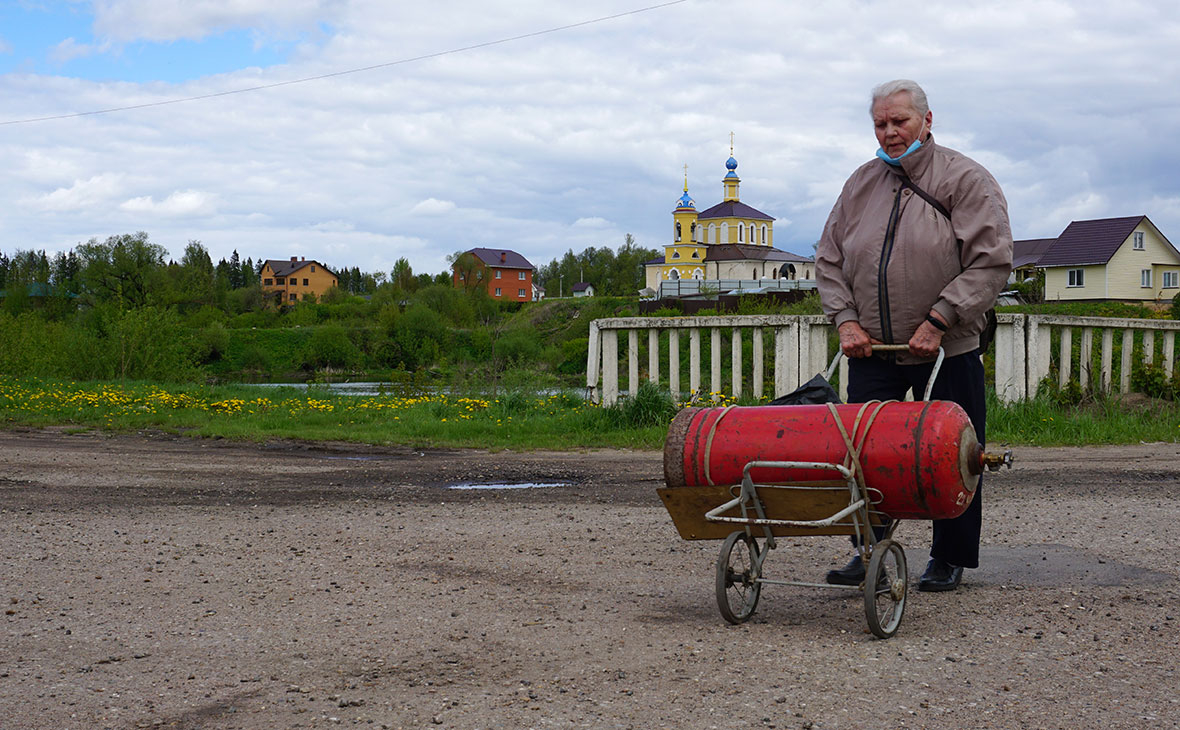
882, 278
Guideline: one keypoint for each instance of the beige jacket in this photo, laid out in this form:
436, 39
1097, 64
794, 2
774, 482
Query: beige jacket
887, 257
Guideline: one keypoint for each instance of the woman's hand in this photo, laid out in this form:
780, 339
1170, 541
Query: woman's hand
854, 341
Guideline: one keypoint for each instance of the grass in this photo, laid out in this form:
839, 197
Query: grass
516, 419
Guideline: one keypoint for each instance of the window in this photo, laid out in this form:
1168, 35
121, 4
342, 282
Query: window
294, 297
1138, 240
1145, 278
763, 235
1075, 277
675, 254
520, 293
497, 291
1172, 279
498, 273
268, 282
279, 281
752, 239
305, 282
696, 254
740, 229
313, 268
520, 275
678, 231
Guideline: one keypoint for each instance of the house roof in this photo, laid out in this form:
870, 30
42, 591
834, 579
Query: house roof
286, 268
1029, 251
1089, 242
733, 209
501, 258
746, 252
583, 286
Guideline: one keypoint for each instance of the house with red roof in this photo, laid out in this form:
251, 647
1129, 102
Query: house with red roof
507, 276
1117, 259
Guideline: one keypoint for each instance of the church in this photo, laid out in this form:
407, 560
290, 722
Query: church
728, 243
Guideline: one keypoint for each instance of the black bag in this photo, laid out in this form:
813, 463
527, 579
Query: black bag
814, 392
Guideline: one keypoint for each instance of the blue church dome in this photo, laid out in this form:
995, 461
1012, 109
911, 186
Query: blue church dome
685, 201
731, 164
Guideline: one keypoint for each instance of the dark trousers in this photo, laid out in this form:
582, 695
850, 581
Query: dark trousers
960, 380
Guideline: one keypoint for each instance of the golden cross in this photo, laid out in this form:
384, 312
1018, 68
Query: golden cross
731, 144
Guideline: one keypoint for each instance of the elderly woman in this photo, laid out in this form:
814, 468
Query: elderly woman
914, 252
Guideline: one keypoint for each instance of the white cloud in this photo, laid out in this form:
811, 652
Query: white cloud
594, 222
430, 206
69, 49
179, 204
167, 20
83, 195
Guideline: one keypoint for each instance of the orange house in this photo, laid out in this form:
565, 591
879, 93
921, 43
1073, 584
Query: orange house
509, 276
290, 281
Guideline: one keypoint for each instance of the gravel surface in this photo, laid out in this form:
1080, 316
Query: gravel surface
153, 581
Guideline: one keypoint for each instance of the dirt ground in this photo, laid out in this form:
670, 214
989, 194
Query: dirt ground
154, 581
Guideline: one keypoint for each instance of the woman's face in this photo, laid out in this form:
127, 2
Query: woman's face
898, 124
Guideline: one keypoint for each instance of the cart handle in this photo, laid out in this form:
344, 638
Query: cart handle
893, 348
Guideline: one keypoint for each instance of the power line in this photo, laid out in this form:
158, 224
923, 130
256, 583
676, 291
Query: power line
334, 74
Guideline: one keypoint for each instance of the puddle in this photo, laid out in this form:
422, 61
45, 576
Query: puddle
521, 485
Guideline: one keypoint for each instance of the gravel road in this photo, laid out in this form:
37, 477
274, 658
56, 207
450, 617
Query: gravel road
154, 581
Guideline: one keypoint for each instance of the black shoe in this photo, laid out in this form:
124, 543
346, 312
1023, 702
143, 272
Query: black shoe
852, 574
940, 576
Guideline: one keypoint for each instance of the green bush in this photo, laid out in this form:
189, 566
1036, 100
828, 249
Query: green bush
210, 343
652, 405
330, 346
519, 347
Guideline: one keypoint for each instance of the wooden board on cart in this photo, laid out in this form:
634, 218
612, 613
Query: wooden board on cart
688, 505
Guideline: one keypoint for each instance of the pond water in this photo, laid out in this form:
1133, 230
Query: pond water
376, 388
522, 485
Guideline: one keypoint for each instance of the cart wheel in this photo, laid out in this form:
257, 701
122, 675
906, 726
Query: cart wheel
737, 589
885, 588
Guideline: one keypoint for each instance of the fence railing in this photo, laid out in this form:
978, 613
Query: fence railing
773, 354
692, 287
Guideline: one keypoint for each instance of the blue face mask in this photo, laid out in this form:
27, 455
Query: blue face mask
896, 161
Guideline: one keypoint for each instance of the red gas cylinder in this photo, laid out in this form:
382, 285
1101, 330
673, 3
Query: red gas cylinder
922, 457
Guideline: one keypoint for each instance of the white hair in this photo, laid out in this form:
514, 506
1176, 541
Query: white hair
889, 88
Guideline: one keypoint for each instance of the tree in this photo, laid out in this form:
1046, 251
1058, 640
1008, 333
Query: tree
197, 274
124, 269
468, 269
236, 281
402, 276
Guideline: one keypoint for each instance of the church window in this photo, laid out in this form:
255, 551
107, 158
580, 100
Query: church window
677, 231
764, 235
675, 254
724, 233
752, 239
740, 229
696, 254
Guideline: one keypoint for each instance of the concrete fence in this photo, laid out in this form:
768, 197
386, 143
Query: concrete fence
769, 355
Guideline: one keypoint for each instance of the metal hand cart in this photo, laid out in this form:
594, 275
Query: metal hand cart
838, 505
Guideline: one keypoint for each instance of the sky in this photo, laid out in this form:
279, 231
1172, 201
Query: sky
358, 132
